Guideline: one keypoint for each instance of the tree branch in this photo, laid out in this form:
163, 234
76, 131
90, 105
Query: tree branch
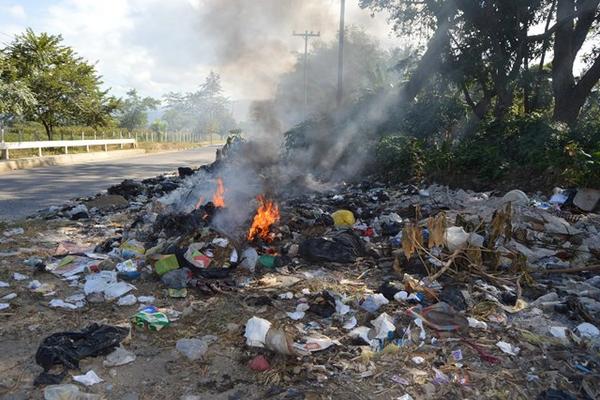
589, 79
559, 24
546, 42
468, 97
584, 23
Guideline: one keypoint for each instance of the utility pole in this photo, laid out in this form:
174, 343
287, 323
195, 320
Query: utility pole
306, 35
340, 89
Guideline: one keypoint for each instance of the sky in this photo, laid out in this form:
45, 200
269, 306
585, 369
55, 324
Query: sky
159, 46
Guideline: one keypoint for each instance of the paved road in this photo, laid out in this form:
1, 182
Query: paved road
23, 192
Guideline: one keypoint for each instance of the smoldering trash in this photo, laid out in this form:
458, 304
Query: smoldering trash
410, 291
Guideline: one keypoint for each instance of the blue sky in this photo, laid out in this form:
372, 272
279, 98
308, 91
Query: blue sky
158, 46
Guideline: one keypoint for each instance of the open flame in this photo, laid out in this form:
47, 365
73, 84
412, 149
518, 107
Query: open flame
218, 199
266, 215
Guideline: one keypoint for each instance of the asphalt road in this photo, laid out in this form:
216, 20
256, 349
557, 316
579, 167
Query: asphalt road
23, 192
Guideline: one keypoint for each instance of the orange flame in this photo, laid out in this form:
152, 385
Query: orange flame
218, 199
266, 215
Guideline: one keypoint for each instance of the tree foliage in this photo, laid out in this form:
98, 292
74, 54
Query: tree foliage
52, 84
158, 126
205, 111
485, 47
15, 96
493, 95
133, 112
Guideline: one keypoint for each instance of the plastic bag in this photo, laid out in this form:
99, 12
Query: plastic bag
67, 348
343, 247
343, 218
440, 317
119, 357
193, 349
151, 317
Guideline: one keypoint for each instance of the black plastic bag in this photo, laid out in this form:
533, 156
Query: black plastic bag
342, 247
323, 305
183, 224
185, 171
215, 273
390, 288
68, 348
128, 189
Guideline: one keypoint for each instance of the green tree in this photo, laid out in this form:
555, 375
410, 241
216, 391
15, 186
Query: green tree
134, 110
205, 111
15, 96
486, 48
159, 127
178, 114
65, 87
577, 20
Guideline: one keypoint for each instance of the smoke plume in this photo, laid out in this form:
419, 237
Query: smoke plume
251, 41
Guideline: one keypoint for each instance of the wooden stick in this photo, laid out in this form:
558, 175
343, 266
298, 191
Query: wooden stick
569, 270
446, 266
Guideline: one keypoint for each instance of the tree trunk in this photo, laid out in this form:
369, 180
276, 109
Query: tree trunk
481, 108
431, 61
526, 87
563, 81
49, 130
504, 101
566, 109
569, 96
428, 65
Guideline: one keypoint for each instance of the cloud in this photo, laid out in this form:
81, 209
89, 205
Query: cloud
17, 11
12, 17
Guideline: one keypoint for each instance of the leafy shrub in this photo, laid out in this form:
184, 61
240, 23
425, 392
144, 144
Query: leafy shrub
400, 158
481, 158
433, 115
582, 169
529, 149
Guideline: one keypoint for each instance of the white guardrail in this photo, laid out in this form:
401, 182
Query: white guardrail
5, 147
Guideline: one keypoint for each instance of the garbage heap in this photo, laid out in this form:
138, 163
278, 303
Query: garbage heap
423, 291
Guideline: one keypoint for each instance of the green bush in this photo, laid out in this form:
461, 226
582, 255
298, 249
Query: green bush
439, 159
480, 157
433, 115
400, 158
434, 140
499, 148
587, 134
582, 169
528, 150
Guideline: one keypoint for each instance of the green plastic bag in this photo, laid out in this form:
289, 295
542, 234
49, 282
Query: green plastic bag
268, 261
150, 317
166, 264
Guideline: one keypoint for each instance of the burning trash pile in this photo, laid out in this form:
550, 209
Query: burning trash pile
382, 292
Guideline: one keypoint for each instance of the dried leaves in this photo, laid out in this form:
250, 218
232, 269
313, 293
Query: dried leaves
412, 234
437, 229
501, 224
412, 239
